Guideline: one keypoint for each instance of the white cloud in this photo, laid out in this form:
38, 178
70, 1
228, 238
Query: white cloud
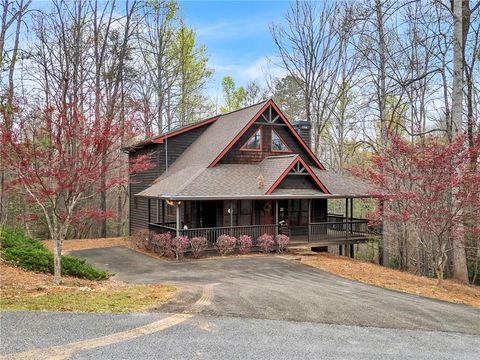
257, 70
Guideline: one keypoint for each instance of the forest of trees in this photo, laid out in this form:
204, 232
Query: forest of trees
381, 81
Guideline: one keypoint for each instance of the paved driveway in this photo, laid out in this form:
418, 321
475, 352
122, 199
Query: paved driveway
279, 289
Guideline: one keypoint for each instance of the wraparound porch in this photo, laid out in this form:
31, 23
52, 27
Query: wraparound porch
306, 221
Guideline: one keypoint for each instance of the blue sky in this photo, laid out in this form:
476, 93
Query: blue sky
236, 35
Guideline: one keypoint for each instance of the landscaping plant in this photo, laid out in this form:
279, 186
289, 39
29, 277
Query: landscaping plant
266, 243
179, 245
225, 244
244, 244
142, 239
198, 245
32, 255
162, 244
282, 242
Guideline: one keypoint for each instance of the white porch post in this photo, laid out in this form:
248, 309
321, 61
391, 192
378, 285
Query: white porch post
177, 207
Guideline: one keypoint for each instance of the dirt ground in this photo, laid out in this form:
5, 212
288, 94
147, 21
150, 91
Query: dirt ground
82, 244
373, 274
28, 290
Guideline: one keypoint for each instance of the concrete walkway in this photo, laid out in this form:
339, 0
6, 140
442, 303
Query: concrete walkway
268, 287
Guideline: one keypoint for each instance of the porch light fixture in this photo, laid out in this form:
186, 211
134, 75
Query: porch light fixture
171, 203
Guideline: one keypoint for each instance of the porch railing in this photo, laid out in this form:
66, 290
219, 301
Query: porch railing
355, 230
341, 230
212, 234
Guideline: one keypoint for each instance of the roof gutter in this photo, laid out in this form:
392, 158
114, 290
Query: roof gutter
260, 197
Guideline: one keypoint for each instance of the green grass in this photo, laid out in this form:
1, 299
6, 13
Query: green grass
134, 298
32, 255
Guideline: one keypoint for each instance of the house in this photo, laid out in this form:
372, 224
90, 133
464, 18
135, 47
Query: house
246, 172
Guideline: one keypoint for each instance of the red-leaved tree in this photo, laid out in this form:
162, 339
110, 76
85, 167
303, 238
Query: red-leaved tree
56, 163
433, 198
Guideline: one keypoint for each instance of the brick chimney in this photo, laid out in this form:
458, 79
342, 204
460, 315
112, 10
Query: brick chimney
304, 129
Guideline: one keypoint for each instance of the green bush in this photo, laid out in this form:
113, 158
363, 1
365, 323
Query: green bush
31, 259
16, 238
32, 255
80, 268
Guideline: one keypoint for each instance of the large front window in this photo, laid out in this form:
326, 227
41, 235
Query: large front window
278, 144
255, 142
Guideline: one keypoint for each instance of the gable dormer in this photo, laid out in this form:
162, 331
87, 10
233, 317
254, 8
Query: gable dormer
268, 133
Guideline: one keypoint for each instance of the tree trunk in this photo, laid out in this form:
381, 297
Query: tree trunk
460, 271
57, 261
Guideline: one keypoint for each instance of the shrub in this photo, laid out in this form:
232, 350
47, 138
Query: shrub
142, 239
244, 244
17, 238
80, 268
31, 259
162, 244
282, 242
225, 244
266, 243
198, 245
41, 260
32, 255
179, 245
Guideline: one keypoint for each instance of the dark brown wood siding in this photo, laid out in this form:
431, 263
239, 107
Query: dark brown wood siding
297, 182
237, 156
173, 148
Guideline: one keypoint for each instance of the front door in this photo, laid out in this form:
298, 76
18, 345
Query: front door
209, 214
266, 212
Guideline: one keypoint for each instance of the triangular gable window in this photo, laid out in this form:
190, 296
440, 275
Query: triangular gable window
278, 144
254, 143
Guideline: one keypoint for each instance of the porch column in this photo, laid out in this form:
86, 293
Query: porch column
276, 217
163, 211
347, 247
231, 213
352, 246
177, 207
309, 218
149, 210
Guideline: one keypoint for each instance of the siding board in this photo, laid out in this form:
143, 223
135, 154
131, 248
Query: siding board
138, 207
236, 156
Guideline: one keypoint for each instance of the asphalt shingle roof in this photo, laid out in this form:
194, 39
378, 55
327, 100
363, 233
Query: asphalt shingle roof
190, 176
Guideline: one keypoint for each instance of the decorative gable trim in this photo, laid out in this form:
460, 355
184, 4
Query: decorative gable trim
160, 139
295, 168
255, 118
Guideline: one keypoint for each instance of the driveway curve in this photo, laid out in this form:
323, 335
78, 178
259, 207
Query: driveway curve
268, 287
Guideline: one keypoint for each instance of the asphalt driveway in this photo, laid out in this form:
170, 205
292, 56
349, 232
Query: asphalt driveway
268, 287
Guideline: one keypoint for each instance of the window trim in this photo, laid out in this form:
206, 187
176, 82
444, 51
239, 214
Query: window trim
243, 148
282, 141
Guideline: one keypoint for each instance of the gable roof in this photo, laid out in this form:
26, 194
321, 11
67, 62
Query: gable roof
240, 181
254, 118
215, 138
295, 161
196, 173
